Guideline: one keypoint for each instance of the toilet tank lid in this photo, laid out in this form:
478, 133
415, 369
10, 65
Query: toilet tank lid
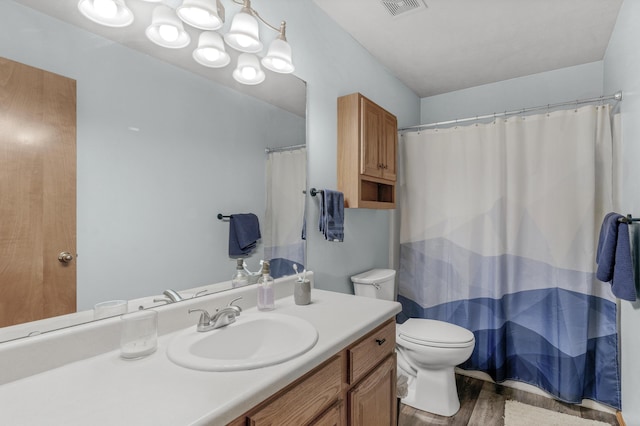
433, 331
374, 276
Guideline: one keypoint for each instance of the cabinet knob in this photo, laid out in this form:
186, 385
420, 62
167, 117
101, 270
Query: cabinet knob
380, 342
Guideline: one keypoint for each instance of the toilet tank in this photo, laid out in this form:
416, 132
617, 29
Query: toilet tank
376, 283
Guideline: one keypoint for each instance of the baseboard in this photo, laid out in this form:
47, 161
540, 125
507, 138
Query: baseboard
620, 419
587, 403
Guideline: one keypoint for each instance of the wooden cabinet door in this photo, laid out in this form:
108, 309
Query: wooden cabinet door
389, 146
372, 116
37, 193
331, 417
304, 401
373, 402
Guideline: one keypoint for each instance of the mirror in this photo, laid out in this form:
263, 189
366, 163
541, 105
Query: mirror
160, 152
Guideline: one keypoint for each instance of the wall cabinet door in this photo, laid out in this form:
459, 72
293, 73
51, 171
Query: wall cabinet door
389, 146
379, 141
372, 117
372, 402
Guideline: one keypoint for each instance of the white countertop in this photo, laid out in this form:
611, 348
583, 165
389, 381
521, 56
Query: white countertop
107, 390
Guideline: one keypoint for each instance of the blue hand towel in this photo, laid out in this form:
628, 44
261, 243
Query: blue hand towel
614, 257
244, 232
331, 222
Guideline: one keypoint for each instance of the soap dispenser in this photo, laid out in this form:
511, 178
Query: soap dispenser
240, 278
266, 297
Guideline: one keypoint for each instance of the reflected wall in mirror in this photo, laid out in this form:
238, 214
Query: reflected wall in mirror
160, 152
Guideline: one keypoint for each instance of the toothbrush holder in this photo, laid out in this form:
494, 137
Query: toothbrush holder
302, 292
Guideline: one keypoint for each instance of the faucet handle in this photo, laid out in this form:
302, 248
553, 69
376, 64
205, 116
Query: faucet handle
205, 318
237, 308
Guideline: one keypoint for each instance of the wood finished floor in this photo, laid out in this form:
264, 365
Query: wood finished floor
482, 404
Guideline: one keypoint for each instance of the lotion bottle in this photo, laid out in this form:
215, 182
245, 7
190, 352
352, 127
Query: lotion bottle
240, 279
266, 297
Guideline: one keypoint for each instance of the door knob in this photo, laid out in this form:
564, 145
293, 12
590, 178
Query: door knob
65, 257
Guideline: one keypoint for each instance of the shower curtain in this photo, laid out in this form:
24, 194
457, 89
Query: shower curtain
499, 226
284, 217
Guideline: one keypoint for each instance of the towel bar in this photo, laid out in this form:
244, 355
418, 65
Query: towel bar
314, 192
629, 219
222, 217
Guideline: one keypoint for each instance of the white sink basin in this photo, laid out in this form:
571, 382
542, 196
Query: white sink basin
255, 340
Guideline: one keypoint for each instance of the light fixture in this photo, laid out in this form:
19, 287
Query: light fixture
201, 14
166, 29
244, 33
210, 51
248, 70
111, 13
278, 57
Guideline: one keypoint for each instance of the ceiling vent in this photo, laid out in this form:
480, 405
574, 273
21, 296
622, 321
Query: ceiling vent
401, 7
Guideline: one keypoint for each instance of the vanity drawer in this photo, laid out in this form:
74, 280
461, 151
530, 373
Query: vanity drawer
301, 402
371, 350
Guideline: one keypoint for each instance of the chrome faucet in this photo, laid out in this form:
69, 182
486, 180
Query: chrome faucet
221, 318
172, 296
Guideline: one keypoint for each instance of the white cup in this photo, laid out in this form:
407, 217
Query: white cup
110, 308
139, 334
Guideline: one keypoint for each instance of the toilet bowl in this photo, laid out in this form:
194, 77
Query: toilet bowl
427, 350
431, 349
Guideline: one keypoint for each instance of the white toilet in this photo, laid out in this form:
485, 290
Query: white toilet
428, 350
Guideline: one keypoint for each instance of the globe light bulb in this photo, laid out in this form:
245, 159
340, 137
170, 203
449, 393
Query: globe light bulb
249, 73
210, 54
105, 8
168, 32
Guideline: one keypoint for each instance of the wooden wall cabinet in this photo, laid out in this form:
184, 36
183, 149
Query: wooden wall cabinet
367, 153
356, 387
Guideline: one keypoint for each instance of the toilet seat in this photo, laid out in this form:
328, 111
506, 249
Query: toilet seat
434, 333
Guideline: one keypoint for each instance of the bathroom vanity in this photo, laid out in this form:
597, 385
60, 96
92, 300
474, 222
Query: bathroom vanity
357, 386
77, 377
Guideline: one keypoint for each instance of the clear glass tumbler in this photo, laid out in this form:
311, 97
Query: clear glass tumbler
139, 335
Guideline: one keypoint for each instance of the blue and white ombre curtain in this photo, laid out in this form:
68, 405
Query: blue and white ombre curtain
286, 179
499, 228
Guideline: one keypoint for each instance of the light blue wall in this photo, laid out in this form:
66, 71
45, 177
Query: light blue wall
622, 71
563, 85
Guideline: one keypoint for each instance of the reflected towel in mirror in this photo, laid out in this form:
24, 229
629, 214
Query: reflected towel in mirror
244, 233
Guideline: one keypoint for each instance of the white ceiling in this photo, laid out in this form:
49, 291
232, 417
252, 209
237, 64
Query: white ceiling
455, 44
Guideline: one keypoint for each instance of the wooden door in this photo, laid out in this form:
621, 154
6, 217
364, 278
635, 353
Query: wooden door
370, 138
372, 402
37, 193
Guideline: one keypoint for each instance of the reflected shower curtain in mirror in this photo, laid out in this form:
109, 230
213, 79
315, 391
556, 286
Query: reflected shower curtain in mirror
499, 227
286, 180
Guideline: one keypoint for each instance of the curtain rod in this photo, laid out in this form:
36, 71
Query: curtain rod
284, 148
616, 96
